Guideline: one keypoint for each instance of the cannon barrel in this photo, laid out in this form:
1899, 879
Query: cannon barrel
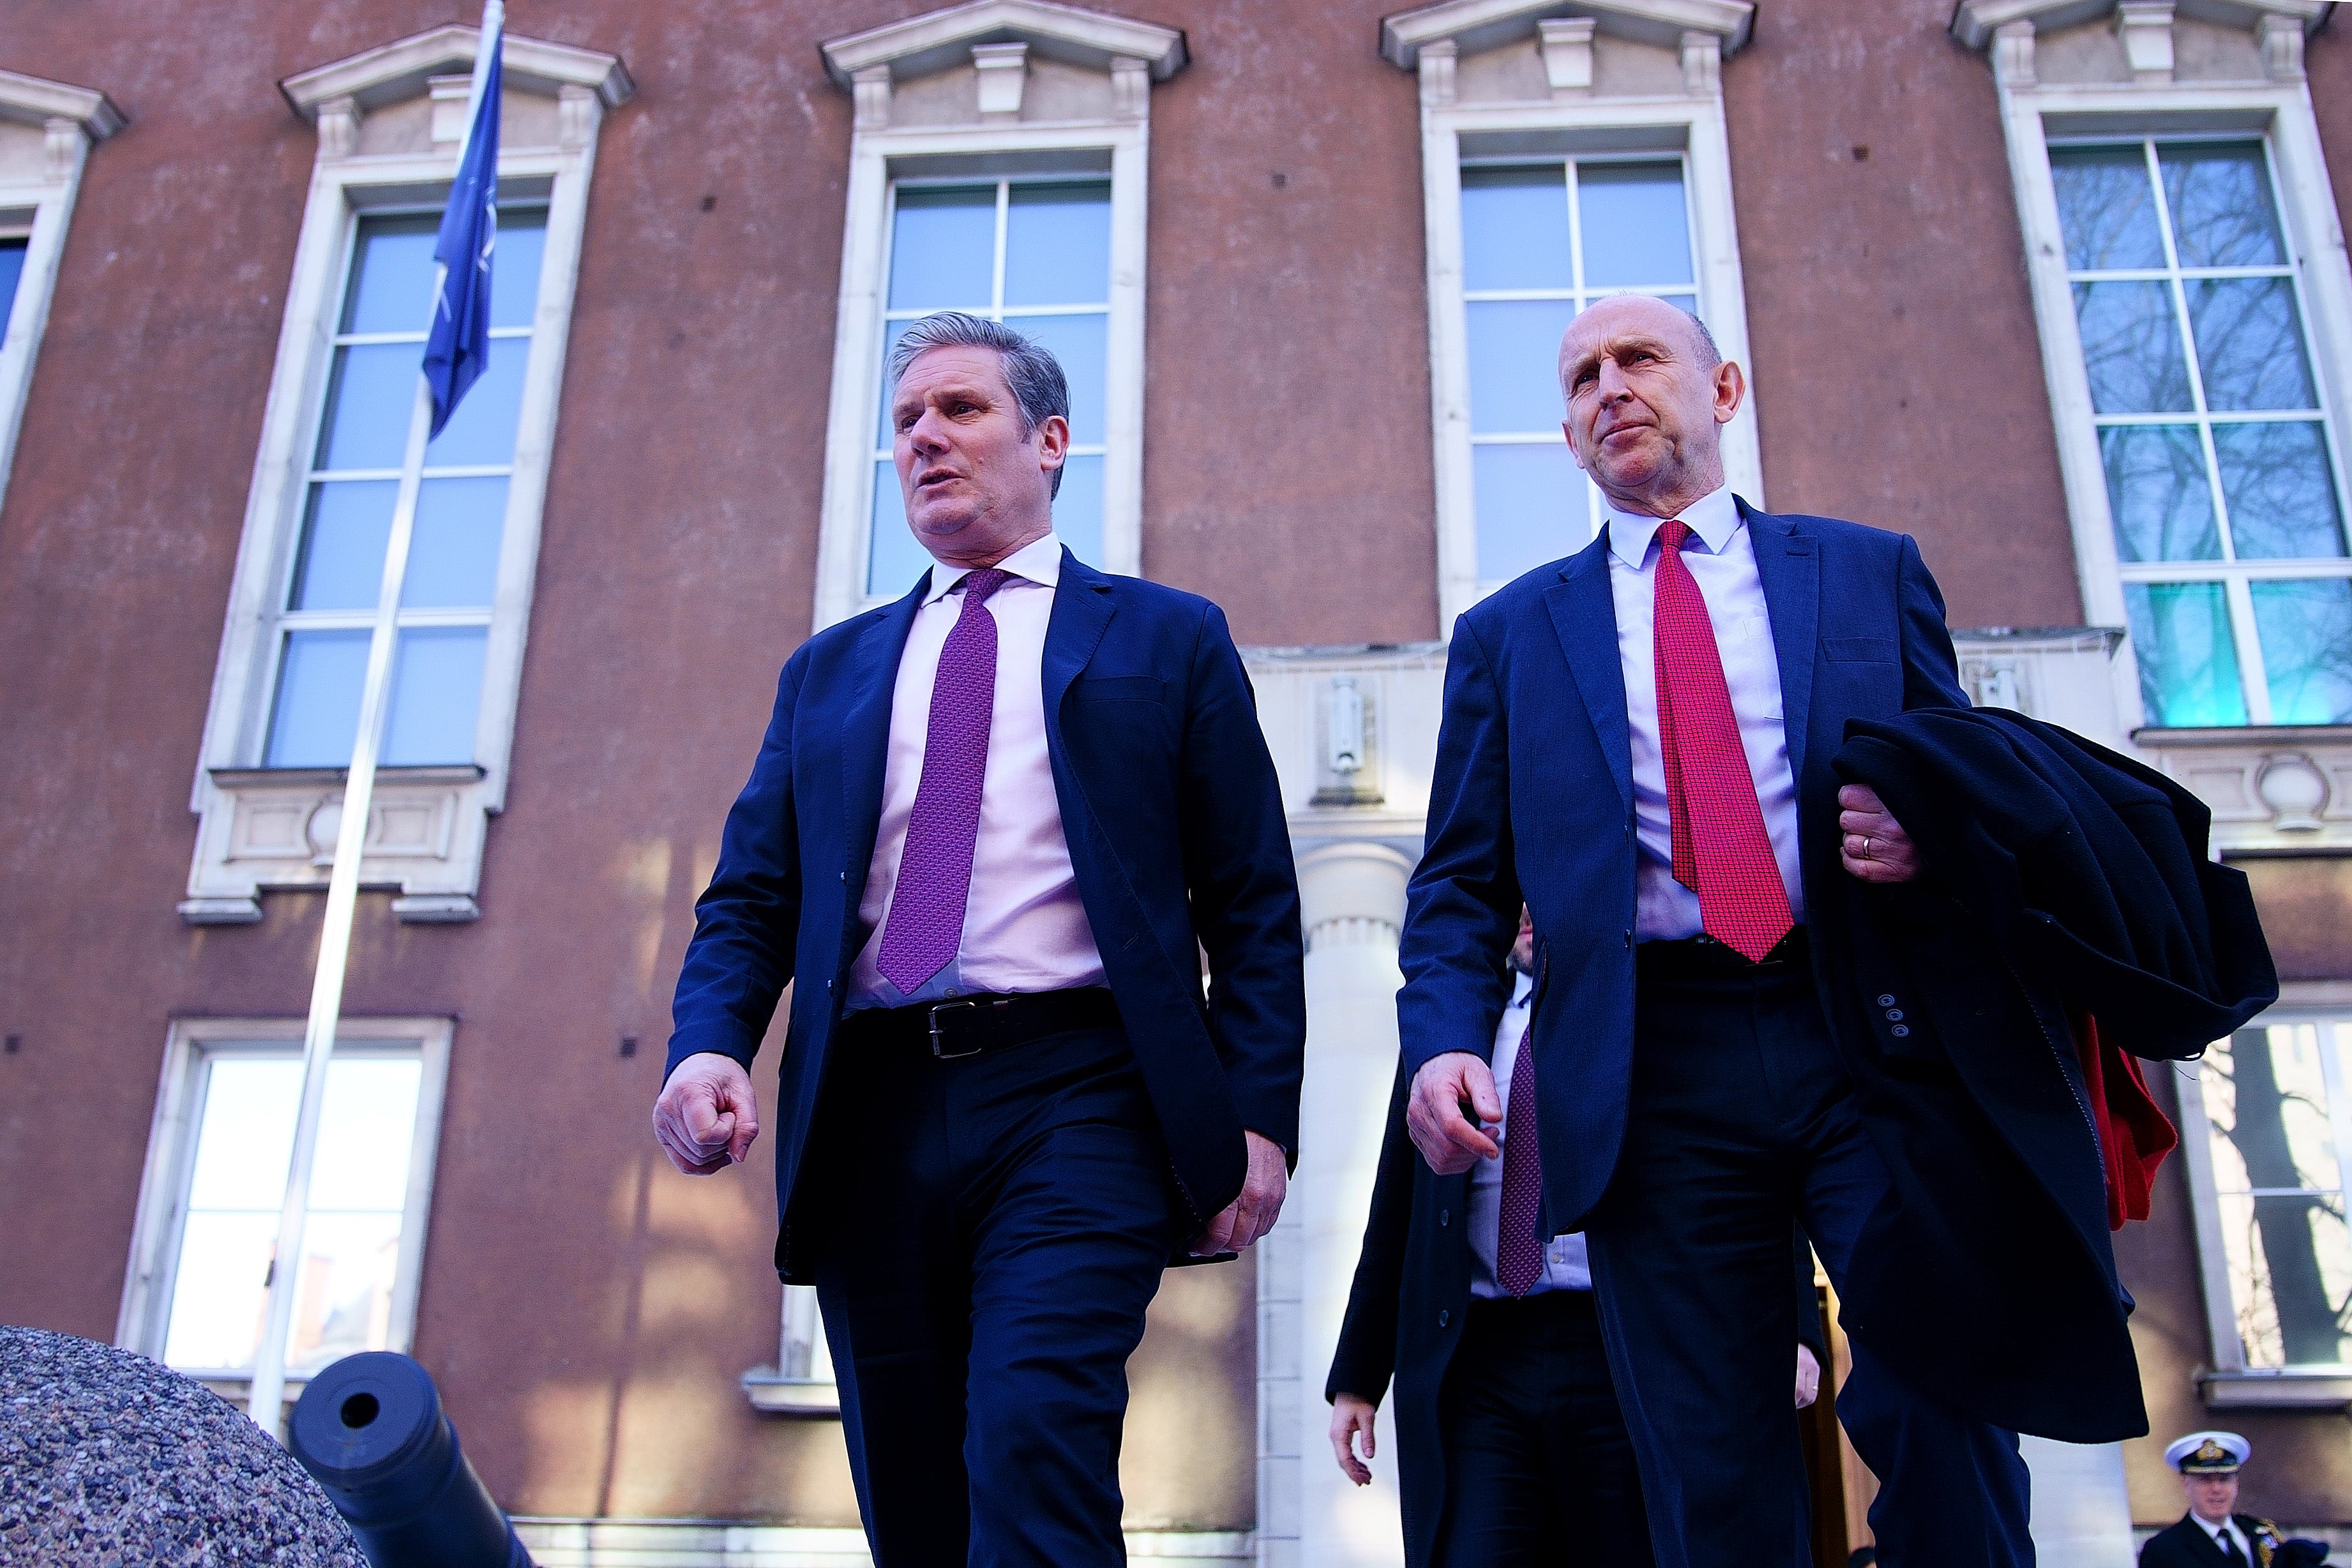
371, 1429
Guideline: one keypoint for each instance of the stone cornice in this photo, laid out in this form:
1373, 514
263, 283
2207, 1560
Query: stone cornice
1482, 23
392, 72
940, 38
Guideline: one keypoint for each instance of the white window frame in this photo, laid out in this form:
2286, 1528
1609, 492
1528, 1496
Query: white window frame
1570, 123
36, 202
264, 828
144, 1320
996, 143
2035, 114
2231, 1382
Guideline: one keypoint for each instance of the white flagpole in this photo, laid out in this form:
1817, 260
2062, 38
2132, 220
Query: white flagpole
268, 1395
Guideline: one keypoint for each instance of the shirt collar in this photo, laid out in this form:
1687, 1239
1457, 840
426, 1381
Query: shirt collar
1714, 517
1039, 560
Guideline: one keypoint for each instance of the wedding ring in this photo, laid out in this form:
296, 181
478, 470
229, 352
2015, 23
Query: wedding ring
1865, 847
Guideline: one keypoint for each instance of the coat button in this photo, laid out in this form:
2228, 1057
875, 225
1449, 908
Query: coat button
1895, 1015
1901, 1031
1444, 1217
1444, 1316
1886, 1001
1629, 936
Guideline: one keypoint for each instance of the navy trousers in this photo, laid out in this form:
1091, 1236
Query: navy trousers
1742, 1113
996, 1226
1538, 1470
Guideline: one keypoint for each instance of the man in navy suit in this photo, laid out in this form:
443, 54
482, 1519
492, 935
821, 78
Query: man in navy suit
991, 830
1637, 741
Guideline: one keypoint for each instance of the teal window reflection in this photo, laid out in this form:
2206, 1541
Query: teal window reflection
2217, 450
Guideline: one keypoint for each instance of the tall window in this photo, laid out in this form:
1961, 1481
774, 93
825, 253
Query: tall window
218, 1175
1035, 255
2279, 1123
1539, 243
2222, 479
12, 267
355, 476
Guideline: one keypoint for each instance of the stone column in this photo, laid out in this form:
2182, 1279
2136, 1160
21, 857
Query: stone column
2082, 1508
1309, 1516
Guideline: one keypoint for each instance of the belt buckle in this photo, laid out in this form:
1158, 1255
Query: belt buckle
939, 1041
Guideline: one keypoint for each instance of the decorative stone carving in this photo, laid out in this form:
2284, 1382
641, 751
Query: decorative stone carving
1130, 87
2295, 791
339, 127
1702, 63
872, 87
276, 828
2280, 39
2013, 55
1437, 73
1568, 55
451, 96
577, 111
62, 145
1004, 72
2146, 28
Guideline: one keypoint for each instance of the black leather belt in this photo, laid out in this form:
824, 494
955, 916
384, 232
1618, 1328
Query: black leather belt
1704, 958
967, 1026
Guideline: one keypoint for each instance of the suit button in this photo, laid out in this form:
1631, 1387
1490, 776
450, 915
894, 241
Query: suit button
1901, 1031
1886, 1001
1444, 1316
1444, 1218
1895, 1015
1629, 936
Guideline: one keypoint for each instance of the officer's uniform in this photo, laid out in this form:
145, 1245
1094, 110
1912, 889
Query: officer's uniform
2241, 1541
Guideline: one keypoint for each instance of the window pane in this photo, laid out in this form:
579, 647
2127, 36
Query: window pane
1078, 509
2306, 633
246, 1135
2250, 344
1057, 244
1515, 364
341, 564
369, 400
2188, 664
1514, 229
943, 248
2131, 346
316, 715
515, 266
365, 1132
1081, 343
2219, 194
1532, 507
1636, 227
883, 435
2282, 495
342, 1300
895, 560
2106, 208
2160, 495
2290, 1265
391, 276
219, 1295
437, 689
12, 267
482, 431
453, 558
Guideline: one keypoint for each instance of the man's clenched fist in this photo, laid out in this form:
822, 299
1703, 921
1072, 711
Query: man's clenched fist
706, 1117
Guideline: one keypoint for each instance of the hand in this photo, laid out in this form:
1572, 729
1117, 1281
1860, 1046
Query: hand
706, 1117
1350, 1416
1252, 1213
1809, 1376
1875, 848
1449, 1141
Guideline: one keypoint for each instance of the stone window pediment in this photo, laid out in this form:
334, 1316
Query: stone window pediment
408, 97
1573, 40
1004, 62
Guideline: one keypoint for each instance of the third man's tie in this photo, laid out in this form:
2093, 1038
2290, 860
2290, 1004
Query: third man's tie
1518, 1252
1721, 850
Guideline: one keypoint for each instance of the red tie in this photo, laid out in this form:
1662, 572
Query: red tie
1721, 850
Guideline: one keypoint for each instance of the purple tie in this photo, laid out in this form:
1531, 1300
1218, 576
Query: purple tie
1518, 1254
925, 925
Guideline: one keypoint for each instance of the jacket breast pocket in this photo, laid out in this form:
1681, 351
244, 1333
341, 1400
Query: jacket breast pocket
1861, 650
1120, 689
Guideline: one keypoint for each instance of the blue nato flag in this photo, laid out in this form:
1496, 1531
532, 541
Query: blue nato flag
458, 349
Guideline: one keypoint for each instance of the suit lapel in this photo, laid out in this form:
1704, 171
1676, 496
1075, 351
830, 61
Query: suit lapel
866, 731
1790, 566
1082, 609
1584, 615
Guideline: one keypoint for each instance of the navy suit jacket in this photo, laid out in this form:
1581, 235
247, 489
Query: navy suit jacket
1533, 800
1177, 836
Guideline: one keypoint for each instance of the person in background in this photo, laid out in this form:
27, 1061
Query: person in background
2212, 1532
1511, 1448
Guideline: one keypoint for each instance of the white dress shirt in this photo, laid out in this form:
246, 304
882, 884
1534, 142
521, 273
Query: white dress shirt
1024, 928
1722, 561
2227, 1527
1564, 1263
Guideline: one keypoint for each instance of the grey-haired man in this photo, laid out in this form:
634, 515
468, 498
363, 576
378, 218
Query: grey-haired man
990, 830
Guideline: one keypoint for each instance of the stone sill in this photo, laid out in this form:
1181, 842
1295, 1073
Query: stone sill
772, 1394
2287, 1390
440, 773
2246, 735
